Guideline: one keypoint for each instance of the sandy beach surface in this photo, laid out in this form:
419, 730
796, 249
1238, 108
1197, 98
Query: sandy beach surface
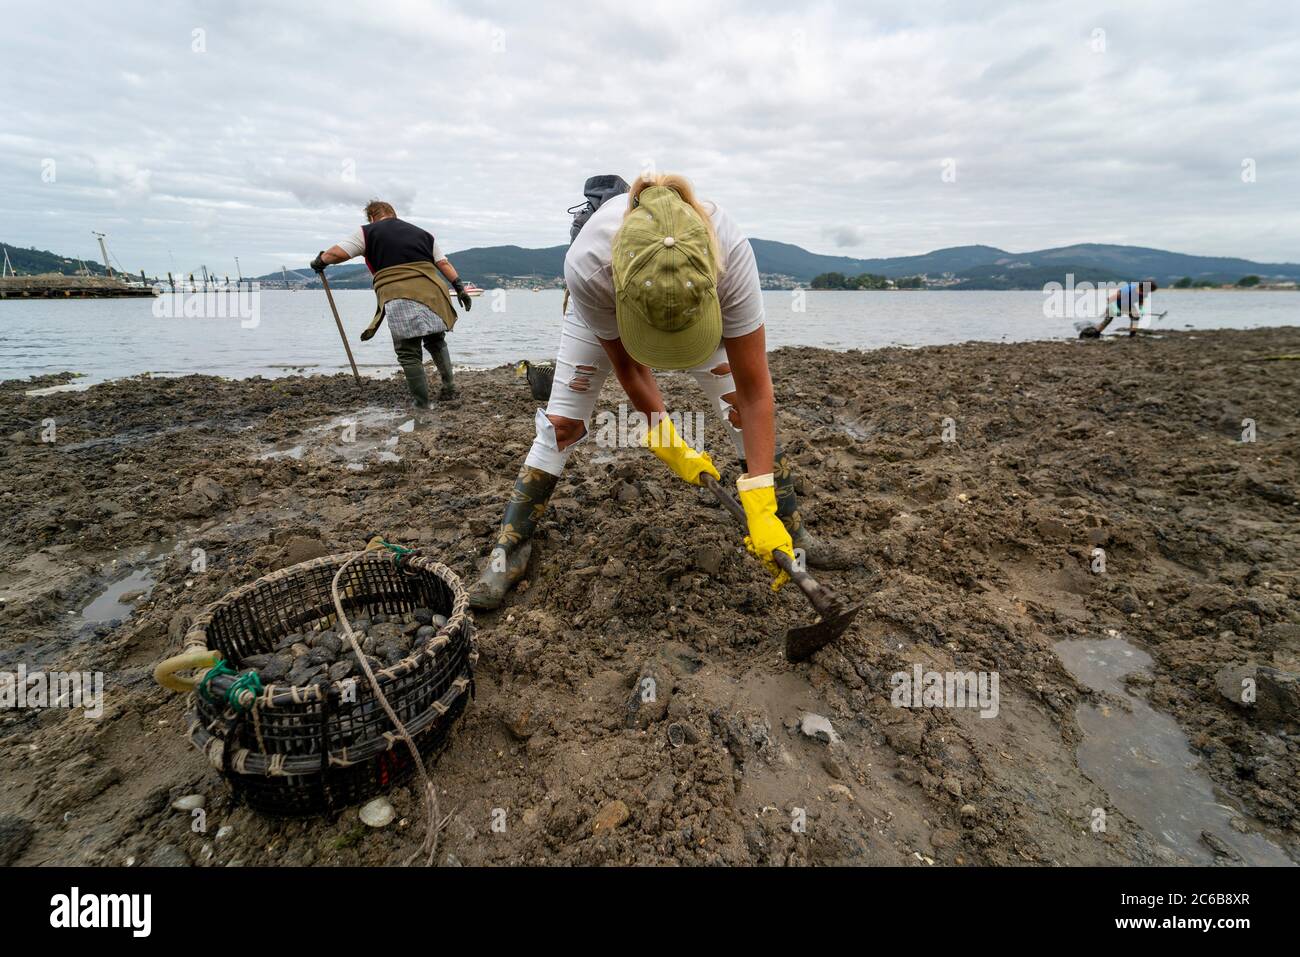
1120, 735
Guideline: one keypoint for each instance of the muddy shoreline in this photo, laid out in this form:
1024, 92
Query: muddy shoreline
157, 496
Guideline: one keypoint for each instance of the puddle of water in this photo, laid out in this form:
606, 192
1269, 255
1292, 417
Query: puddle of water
352, 439
108, 604
137, 575
1144, 762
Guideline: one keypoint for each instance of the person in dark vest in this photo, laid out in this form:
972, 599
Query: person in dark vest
402, 259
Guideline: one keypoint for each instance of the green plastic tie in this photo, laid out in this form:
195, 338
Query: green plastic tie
249, 681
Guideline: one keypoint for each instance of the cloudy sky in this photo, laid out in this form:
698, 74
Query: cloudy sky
196, 132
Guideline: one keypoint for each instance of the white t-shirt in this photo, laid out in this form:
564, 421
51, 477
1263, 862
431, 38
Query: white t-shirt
588, 272
355, 245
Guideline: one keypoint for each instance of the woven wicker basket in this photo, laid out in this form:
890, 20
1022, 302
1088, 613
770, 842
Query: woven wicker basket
308, 750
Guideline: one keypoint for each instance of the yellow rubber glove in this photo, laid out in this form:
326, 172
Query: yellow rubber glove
766, 533
662, 439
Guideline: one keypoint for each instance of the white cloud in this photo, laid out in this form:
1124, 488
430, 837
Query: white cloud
821, 124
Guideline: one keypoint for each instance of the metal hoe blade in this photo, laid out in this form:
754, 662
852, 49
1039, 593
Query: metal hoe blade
804, 641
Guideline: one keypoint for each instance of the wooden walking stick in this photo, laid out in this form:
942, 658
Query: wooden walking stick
339, 322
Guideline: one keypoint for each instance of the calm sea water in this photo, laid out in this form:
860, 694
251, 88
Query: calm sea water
294, 331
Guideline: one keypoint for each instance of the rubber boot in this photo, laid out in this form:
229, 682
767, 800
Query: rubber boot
442, 359
509, 557
412, 362
816, 553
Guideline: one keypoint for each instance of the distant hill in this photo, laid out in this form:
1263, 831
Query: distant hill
29, 262
486, 265
1140, 262
795, 261
965, 267
970, 267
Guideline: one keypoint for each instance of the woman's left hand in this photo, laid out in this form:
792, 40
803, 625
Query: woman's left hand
767, 534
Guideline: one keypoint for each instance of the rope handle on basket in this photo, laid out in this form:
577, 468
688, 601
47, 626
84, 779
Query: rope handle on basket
166, 672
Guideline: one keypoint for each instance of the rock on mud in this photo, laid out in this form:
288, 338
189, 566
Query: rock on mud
610, 816
377, 813
818, 727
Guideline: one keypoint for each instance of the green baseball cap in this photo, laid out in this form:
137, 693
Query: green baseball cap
665, 283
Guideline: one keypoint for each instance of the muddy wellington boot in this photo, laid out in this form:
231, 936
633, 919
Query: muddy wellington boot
442, 359
817, 553
509, 557
412, 363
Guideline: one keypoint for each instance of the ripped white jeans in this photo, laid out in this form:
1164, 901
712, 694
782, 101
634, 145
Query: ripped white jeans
581, 368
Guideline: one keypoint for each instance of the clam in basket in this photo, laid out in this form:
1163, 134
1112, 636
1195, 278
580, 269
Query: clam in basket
302, 749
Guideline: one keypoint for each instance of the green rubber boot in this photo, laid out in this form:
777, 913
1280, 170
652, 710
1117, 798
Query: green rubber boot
508, 560
412, 362
442, 359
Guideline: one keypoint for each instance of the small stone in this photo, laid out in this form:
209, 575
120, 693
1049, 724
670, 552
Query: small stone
1234, 681
838, 791
610, 816
833, 768
189, 802
224, 832
377, 813
298, 649
818, 727
422, 615
968, 813
952, 785
520, 721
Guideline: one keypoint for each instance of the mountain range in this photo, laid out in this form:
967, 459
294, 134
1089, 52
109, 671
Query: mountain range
964, 267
